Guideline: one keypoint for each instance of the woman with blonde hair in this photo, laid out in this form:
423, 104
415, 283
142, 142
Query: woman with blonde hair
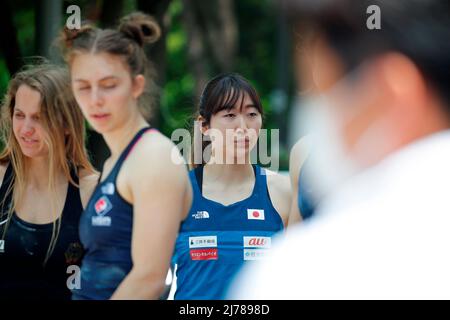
131, 222
45, 181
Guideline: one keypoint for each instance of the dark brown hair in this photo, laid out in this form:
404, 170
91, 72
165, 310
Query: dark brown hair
127, 41
223, 92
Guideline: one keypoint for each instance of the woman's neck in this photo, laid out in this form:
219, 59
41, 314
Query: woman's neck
118, 139
228, 174
38, 173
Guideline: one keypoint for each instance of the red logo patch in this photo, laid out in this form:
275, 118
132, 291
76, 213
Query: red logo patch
257, 242
204, 254
102, 206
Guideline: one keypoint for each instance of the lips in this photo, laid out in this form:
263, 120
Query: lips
29, 141
100, 116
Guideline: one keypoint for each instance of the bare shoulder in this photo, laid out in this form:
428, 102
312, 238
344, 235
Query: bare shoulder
159, 151
279, 182
88, 181
157, 168
280, 192
299, 153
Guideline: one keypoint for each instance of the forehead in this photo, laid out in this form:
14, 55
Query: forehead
240, 101
27, 99
96, 66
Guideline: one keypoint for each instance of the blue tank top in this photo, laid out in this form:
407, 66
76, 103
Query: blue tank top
306, 205
215, 240
105, 232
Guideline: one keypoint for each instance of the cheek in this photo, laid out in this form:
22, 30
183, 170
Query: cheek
82, 100
15, 125
118, 100
255, 126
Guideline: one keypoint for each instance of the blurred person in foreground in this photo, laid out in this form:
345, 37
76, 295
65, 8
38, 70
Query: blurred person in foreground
381, 157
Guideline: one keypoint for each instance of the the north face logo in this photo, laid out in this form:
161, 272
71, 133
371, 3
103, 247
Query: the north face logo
201, 215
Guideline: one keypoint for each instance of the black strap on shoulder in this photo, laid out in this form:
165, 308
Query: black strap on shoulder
5, 200
199, 176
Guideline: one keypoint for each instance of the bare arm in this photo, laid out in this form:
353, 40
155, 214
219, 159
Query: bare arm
280, 194
298, 155
159, 192
88, 182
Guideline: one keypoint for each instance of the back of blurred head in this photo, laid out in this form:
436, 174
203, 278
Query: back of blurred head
375, 91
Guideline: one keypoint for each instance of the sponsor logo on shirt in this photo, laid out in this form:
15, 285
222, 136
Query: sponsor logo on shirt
101, 221
108, 188
257, 242
102, 206
255, 214
203, 242
201, 215
255, 254
204, 254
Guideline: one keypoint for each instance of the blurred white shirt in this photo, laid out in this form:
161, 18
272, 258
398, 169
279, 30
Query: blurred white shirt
384, 235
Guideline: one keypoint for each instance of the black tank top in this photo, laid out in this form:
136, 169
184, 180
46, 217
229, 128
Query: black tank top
22, 254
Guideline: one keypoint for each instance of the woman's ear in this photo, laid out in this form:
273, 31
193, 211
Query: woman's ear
203, 125
138, 86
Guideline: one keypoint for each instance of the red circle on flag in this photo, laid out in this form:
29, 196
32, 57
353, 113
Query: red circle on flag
256, 214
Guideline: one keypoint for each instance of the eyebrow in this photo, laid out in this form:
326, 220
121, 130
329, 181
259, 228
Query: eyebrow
102, 79
33, 114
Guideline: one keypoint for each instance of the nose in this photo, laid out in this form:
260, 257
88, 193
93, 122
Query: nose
28, 128
241, 124
97, 99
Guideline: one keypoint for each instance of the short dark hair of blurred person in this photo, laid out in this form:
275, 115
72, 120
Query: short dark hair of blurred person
381, 120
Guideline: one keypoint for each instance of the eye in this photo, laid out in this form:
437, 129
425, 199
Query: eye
229, 115
36, 118
109, 86
83, 88
18, 115
253, 114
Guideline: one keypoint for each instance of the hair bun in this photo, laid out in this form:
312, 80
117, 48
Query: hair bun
140, 27
68, 36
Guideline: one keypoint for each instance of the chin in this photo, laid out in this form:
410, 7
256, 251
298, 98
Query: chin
101, 129
33, 155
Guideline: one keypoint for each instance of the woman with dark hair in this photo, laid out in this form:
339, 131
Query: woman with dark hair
237, 206
131, 222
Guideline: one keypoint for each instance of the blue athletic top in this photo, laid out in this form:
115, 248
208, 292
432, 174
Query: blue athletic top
105, 232
215, 240
306, 203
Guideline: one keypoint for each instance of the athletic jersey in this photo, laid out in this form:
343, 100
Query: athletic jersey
306, 205
23, 274
106, 232
215, 240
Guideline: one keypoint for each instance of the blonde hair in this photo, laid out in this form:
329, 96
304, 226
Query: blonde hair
63, 123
